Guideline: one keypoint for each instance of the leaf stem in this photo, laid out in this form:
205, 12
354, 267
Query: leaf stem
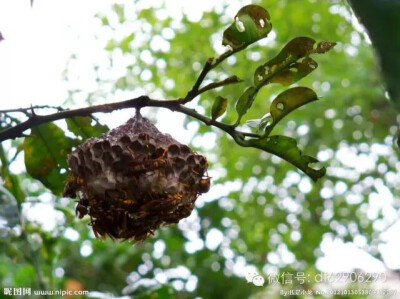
227, 81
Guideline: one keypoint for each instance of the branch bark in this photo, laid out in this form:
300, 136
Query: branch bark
138, 103
36, 120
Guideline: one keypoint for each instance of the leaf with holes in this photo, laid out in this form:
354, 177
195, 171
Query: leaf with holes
45, 155
288, 101
219, 107
82, 126
245, 101
251, 23
295, 72
284, 67
286, 148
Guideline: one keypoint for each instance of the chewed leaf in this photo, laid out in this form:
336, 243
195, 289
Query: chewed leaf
82, 126
245, 101
251, 23
324, 47
219, 107
290, 100
282, 68
46, 154
287, 149
295, 72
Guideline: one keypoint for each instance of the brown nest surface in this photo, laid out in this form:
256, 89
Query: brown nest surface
134, 179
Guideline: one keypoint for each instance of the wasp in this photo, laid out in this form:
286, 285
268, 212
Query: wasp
82, 208
204, 185
128, 204
74, 183
181, 212
163, 205
148, 165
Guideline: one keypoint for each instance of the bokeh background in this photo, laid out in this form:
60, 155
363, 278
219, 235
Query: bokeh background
261, 214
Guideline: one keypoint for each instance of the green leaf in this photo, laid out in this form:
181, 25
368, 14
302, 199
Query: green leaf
286, 148
288, 101
253, 123
245, 101
284, 66
45, 155
81, 126
219, 107
260, 124
252, 23
295, 72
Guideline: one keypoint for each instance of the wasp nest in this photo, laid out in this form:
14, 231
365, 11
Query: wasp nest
134, 179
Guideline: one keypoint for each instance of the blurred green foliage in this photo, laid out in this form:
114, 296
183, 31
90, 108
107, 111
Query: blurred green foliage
271, 216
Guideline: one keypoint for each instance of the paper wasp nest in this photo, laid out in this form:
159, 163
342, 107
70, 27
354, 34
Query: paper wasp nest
134, 179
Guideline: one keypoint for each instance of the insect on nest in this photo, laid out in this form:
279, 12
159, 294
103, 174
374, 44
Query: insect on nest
134, 179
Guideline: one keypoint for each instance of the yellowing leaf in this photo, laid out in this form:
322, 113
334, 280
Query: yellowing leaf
295, 72
290, 100
285, 67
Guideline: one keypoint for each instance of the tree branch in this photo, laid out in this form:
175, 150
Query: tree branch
27, 110
36, 120
208, 66
194, 91
138, 103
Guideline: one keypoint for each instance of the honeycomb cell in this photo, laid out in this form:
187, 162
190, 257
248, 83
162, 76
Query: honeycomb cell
125, 139
97, 149
116, 150
173, 150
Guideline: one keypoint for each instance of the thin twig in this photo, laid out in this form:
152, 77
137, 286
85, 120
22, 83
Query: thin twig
208, 66
227, 81
194, 91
